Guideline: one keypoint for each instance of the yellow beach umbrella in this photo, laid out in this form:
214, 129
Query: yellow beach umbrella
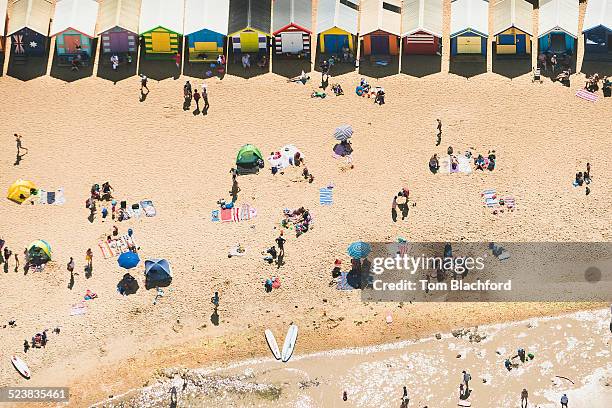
20, 190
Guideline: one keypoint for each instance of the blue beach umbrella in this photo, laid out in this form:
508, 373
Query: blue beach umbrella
358, 250
128, 260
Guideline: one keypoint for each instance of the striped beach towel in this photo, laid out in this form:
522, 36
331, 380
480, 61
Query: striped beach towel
52, 197
510, 202
490, 198
243, 213
325, 196
586, 95
116, 247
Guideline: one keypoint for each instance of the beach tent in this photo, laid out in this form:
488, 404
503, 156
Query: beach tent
157, 272
469, 26
118, 25
250, 24
558, 26
161, 26
20, 190
337, 25
248, 155
512, 26
3, 7
74, 26
379, 26
597, 29
292, 26
206, 25
39, 251
421, 26
29, 26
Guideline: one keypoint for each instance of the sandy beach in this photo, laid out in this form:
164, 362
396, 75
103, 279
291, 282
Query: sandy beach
92, 131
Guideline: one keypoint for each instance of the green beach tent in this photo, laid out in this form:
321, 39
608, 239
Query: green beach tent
40, 251
248, 156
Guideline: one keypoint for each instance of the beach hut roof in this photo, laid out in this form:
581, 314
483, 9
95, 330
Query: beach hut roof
559, 15
119, 13
161, 13
342, 14
292, 12
598, 13
385, 15
78, 15
422, 15
210, 15
512, 13
3, 6
470, 15
253, 14
32, 14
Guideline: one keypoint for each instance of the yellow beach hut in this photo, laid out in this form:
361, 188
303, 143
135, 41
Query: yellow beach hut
512, 23
337, 25
161, 26
250, 25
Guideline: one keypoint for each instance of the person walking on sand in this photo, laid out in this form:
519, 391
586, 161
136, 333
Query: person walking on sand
70, 268
89, 259
524, 396
215, 300
16, 263
196, 98
405, 399
564, 401
439, 135
20, 147
205, 99
143, 83
394, 209
466, 380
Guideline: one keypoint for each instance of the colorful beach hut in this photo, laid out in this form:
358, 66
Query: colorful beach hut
380, 23
597, 30
337, 25
512, 23
558, 26
292, 26
421, 26
74, 26
118, 26
29, 26
3, 7
469, 26
250, 25
206, 28
161, 26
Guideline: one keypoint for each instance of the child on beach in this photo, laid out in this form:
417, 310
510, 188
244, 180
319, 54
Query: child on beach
89, 259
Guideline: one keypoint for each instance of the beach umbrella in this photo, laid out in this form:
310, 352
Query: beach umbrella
343, 132
40, 250
358, 250
128, 260
20, 190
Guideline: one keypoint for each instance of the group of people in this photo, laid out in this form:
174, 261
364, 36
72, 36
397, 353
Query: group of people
262, 61
592, 84
6, 254
400, 200
584, 178
190, 94
483, 163
365, 89
300, 219
98, 194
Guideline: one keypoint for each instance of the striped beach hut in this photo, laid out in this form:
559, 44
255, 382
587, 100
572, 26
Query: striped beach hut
469, 26
250, 25
380, 22
206, 28
597, 30
421, 26
29, 26
512, 26
558, 26
118, 25
337, 25
161, 26
74, 26
3, 7
292, 26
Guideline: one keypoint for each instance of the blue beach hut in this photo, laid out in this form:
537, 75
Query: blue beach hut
206, 26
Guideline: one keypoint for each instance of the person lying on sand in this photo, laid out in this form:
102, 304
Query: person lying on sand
434, 164
303, 78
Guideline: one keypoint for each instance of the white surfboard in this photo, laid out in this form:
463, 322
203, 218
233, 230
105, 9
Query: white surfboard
463, 403
272, 344
290, 340
21, 366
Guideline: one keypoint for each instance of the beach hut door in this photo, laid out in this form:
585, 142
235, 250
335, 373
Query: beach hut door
557, 42
292, 42
380, 44
70, 43
119, 42
521, 48
161, 42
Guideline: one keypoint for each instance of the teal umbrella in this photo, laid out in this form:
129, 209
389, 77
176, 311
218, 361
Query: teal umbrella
359, 250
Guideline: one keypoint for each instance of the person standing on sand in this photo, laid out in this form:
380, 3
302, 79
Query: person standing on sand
16, 263
394, 209
70, 267
439, 136
524, 396
205, 99
280, 241
143, 83
405, 399
89, 259
196, 98
564, 401
466, 380
177, 60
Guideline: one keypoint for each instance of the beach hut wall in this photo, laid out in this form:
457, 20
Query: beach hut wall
597, 29
250, 24
421, 26
292, 26
29, 26
379, 25
161, 26
118, 25
337, 25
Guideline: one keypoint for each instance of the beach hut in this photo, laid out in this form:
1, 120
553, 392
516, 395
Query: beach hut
421, 26
292, 26
74, 26
597, 30
206, 25
337, 25
29, 26
380, 23
161, 26
558, 25
250, 25
512, 23
469, 26
3, 7
118, 25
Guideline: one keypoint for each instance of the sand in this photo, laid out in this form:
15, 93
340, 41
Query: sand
92, 130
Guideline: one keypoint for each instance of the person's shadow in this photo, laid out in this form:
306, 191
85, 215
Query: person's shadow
187, 104
143, 96
19, 158
88, 271
71, 282
466, 394
173, 398
196, 112
280, 260
6, 267
214, 317
324, 82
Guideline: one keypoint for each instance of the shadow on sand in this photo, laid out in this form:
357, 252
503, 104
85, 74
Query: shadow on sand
338, 68
234, 65
421, 65
603, 68
511, 66
290, 67
158, 68
125, 69
379, 67
62, 70
468, 65
26, 68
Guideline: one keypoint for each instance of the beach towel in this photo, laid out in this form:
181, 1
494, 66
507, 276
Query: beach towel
490, 198
148, 208
214, 216
586, 95
325, 196
116, 246
52, 197
510, 202
237, 214
347, 281
78, 309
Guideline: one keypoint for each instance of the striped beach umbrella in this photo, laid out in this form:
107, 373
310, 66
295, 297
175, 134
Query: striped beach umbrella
358, 250
343, 132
